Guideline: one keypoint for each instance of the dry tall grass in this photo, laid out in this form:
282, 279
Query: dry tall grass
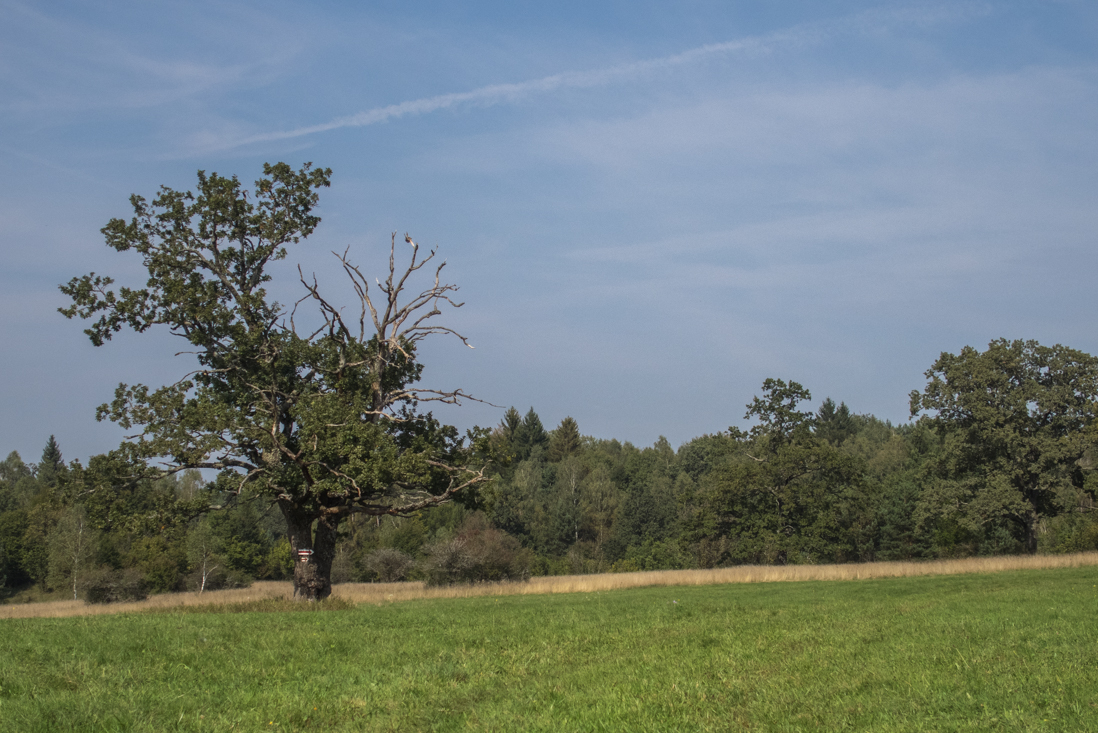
380, 593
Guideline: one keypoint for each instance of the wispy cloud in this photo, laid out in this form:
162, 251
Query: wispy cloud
54, 63
802, 35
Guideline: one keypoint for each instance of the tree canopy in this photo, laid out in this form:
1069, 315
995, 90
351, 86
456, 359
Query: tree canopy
1016, 423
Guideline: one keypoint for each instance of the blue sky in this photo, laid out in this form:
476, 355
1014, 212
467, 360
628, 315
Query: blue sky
650, 207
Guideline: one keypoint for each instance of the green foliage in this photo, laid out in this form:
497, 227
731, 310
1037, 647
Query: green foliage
41, 518
280, 560
528, 436
565, 440
406, 535
645, 516
504, 436
71, 545
389, 565
139, 525
119, 496
161, 560
204, 548
1015, 423
1070, 532
799, 487
242, 542
12, 469
701, 455
898, 533
51, 465
779, 419
834, 424
18, 485
107, 585
791, 496
13, 528
652, 555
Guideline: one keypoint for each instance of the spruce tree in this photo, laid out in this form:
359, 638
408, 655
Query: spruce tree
565, 440
51, 464
529, 435
507, 430
834, 424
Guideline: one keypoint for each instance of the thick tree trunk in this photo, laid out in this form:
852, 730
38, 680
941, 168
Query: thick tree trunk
312, 572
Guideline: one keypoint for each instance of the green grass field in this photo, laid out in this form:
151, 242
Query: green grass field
1006, 651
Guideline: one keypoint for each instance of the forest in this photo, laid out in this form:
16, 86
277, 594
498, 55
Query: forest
997, 459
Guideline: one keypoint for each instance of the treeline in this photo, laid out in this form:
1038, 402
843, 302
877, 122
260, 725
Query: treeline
64, 528
999, 461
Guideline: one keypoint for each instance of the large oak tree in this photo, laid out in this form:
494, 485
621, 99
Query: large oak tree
1017, 424
324, 420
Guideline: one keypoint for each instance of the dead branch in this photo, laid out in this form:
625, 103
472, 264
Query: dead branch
403, 320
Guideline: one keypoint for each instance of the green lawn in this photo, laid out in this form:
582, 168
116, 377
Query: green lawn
1009, 651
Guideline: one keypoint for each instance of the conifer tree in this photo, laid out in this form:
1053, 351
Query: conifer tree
51, 464
834, 424
529, 435
565, 440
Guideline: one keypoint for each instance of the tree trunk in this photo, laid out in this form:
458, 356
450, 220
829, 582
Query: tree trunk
312, 572
1031, 533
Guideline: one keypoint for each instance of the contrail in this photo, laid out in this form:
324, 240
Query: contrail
499, 93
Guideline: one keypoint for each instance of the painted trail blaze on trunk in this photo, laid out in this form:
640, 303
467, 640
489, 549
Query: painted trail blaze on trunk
312, 570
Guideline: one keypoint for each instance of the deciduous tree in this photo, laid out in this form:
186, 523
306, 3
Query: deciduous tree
71, 546
792, 497
322, 419
1016, 423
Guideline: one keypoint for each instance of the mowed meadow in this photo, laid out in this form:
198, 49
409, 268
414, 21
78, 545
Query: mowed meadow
972, 650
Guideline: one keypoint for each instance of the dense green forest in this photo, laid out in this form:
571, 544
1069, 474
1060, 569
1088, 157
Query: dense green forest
996, 460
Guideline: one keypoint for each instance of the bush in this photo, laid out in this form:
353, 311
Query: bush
388, 564
546, 565
160, 561
1072, 532
479, 552
279, 563
447, 562
114, 586
653, 556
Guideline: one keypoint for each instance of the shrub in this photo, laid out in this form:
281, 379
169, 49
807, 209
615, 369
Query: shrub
653, 556
1072, 532
280, 561
388, 564
113, 586
479, 552
447, 562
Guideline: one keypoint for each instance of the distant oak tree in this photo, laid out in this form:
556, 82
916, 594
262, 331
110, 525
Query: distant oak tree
1017, 428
